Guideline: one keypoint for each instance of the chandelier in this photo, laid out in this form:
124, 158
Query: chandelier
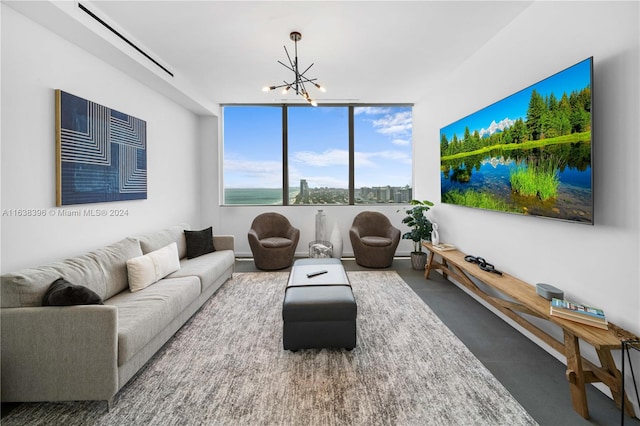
298, 84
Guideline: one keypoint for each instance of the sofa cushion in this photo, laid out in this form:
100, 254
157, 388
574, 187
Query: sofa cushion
83, 269
157, 240
27, 287
199, 242
113, 261
63, 293
144, 314
149, 268
208, 267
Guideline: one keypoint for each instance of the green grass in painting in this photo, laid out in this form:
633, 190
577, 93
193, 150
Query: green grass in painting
572, 138
540, 180
472, 198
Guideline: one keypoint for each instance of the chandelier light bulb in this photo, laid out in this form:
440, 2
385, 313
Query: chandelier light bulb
321, 88
285, 90
268, 88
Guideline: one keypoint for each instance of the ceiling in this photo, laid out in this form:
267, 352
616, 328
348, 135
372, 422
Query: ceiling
363, 51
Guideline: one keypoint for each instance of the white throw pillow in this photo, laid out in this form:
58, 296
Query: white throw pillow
152, 267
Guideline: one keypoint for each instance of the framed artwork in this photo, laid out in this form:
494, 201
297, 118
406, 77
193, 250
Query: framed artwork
528, 154
101, 153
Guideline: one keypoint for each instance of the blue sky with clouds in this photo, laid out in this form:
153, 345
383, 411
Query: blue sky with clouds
574, 78
318, 146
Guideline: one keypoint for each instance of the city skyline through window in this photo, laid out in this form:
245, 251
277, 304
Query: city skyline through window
383, 148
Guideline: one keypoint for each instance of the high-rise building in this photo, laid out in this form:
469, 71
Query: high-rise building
304, 188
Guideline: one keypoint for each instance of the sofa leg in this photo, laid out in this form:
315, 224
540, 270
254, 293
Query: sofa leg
109, 404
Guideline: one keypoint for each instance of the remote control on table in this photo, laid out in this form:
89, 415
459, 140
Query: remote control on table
314, 274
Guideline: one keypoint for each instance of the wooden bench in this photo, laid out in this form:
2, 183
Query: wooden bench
525, 300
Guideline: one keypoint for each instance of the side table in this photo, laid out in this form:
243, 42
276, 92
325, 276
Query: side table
320, 249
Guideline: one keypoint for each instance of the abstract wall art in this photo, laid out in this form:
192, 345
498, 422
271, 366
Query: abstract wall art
101, 153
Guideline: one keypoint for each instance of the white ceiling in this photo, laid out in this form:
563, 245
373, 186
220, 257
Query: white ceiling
363, 51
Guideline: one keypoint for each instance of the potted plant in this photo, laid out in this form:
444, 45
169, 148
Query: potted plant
421, 229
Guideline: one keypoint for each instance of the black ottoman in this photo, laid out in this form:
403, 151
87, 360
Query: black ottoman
319, 312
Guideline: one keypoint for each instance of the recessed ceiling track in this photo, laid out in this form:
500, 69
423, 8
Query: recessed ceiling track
130, 43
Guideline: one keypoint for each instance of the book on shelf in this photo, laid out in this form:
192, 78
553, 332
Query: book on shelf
583, 320
580, 313
443, 246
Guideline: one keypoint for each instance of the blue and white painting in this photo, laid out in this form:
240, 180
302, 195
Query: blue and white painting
102, 153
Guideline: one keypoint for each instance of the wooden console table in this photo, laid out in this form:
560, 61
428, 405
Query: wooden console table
524, 299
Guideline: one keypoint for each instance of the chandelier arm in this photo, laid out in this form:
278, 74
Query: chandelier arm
304, 89
282, 85
286, 66
289, 57
303, 72
307, 80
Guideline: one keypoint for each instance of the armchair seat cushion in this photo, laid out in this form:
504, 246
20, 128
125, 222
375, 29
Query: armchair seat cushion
275, 242
376, 241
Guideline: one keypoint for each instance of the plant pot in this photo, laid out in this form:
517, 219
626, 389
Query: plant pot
418, 260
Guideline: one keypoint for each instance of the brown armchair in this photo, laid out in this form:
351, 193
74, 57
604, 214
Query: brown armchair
273, 241
374, 239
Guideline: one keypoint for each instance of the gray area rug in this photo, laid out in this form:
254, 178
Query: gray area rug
227, 366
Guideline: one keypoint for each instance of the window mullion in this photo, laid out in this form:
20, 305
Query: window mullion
285, 157
352, 190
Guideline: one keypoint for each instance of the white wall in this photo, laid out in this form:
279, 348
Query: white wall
35, 62
208, 163
596, 264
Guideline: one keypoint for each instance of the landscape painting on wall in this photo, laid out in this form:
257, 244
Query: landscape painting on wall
101, 153
529, 153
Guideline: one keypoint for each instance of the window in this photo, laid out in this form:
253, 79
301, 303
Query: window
318, 145
382, 162
252, 155
295, 155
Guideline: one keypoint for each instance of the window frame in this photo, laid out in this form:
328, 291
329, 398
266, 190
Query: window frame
285, 147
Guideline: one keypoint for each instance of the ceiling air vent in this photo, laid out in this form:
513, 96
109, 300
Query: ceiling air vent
129, 42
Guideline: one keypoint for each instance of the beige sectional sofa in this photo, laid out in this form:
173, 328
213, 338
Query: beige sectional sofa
89, 352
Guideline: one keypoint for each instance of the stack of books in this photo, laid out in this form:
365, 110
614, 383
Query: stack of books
580, 313
443, 247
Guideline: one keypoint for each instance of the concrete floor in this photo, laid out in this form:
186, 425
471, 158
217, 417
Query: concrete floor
533, 376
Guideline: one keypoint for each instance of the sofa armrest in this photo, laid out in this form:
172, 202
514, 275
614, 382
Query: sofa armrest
224, 242
59, 353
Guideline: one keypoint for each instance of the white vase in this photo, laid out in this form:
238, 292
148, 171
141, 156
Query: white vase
336, 241
320, 226
435, 236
